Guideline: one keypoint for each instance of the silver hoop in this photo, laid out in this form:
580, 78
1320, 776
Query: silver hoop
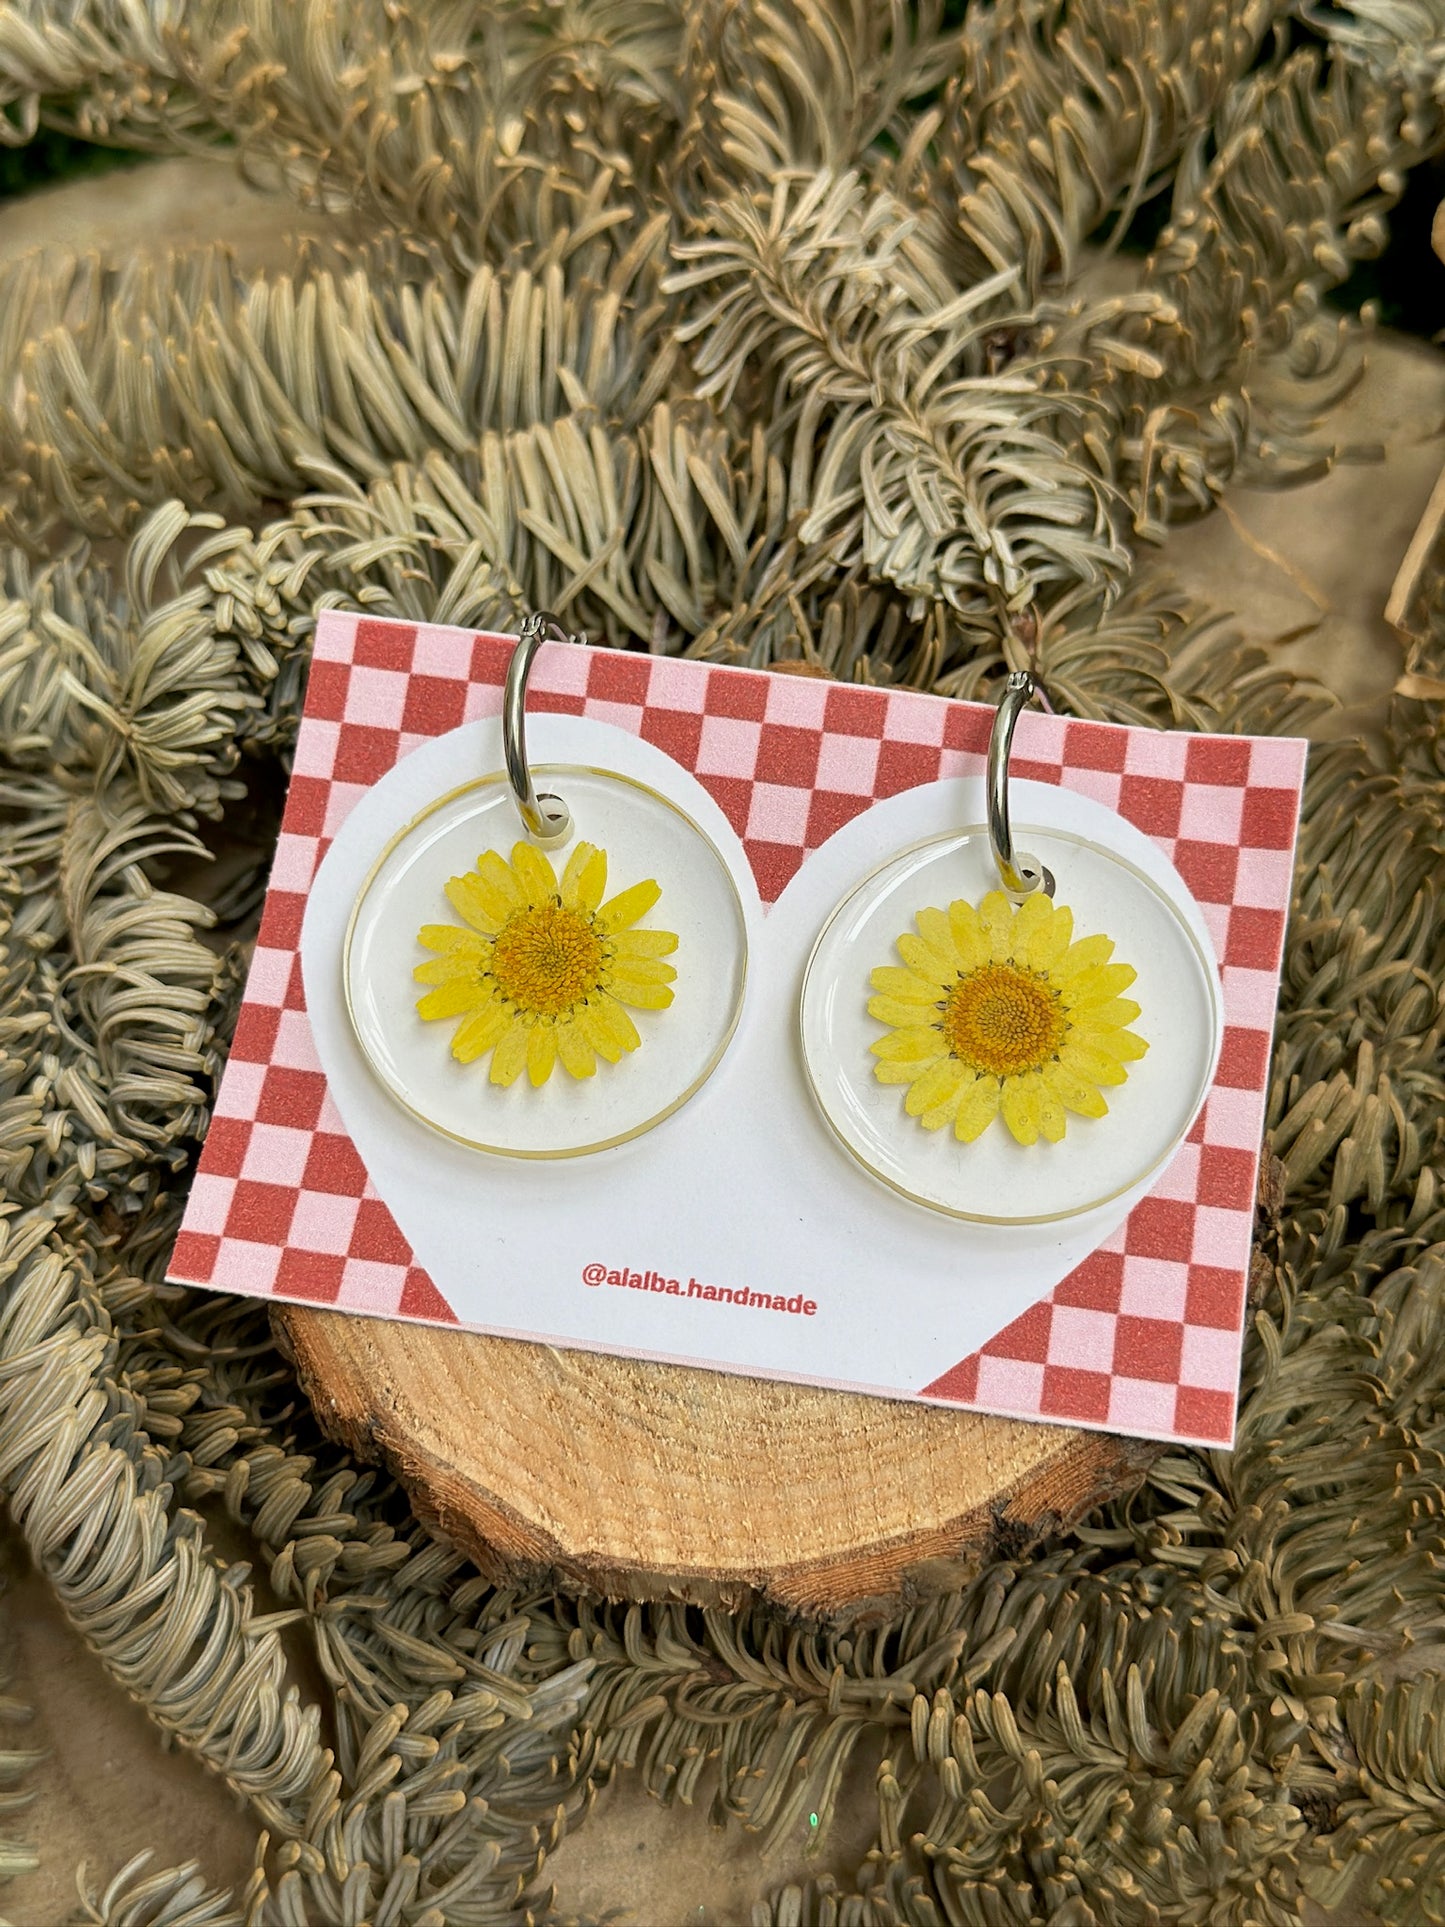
1020, 874
546, 818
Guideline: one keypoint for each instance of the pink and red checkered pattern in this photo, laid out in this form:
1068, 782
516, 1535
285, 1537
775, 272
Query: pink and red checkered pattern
1144, 1336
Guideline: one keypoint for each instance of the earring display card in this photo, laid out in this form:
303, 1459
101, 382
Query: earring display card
713, 1195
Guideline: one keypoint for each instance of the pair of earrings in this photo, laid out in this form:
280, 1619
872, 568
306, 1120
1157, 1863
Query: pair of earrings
948, 998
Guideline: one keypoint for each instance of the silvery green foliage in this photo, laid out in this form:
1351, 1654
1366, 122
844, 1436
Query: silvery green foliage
759, 333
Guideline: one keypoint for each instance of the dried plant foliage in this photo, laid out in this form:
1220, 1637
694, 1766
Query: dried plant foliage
763, 333
17, 1856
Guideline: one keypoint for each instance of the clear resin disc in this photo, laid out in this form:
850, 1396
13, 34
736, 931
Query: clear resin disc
644, 837
995, 1179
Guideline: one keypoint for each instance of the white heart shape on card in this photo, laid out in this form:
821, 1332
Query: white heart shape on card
745, 1185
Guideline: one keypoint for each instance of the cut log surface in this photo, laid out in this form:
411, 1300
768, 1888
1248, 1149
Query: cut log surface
646, 1481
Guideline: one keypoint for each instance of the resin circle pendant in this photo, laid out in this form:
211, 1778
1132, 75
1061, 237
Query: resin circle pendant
543, 997
1013, 1061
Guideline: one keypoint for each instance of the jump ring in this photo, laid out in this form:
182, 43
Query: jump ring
546, 818
1020, 874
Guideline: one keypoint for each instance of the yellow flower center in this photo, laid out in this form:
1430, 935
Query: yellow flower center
1003, 1019
547, 959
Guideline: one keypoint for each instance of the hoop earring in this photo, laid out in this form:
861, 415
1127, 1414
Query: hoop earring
558, 991
984, 1050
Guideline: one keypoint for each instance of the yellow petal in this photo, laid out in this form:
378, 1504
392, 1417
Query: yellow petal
1072, 1091
628, 905
892, 1010
1087, 954
1099, 985
904, 985
641, 996
607, 1026
642, 970
1050, 940
484, 908
1101, 1019
946, 1111
468, 955
577, 1055
925, 960
1127, 1045
644, 943
445, 970
1053, 1120
937, 932
452, 999
495, 871
541, 1053
996, 915
509, 1059
969, 937
595, 1031
585, 878
534, 873
918, 1042
902, 1071
939, 1084
977, 1109
1020, 1107
476, 1035
452, 941
1091, 1064
1030, 918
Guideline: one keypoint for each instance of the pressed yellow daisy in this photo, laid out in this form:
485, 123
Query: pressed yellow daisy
999, 1012
542, 969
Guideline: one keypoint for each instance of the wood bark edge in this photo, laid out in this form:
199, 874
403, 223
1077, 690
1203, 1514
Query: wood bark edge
1077, 1471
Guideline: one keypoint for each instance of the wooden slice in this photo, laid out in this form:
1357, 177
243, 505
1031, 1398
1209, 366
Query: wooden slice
646, 1481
